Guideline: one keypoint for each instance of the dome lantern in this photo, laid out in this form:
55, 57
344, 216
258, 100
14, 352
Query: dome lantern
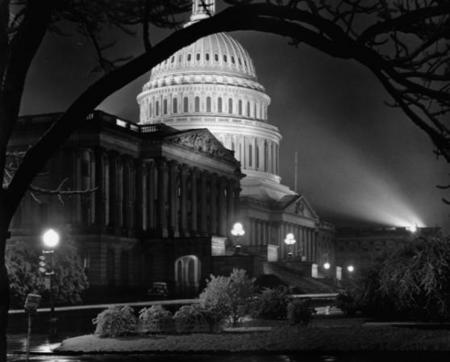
202, 9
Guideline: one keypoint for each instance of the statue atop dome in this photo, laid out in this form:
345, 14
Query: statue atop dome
202, 9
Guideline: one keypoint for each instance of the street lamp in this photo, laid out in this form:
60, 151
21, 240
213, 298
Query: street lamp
237, 231
290, 241
350, 268
326, 265
50, 239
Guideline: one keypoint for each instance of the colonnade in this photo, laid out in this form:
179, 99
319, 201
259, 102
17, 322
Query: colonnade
160, 196
263, 232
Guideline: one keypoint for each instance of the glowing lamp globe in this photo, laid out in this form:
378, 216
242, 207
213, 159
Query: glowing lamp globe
290, 239
350, 268
238, 229
326, 265
50, 238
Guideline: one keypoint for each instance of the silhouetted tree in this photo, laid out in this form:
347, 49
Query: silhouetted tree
403, 43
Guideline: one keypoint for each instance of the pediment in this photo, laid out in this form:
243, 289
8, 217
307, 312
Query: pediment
300, 206
203, 141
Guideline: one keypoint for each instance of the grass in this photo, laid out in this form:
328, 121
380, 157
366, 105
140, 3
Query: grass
330, 335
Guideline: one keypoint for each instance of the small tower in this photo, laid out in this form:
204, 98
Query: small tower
202, 9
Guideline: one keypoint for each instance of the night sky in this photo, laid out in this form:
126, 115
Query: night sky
359, 160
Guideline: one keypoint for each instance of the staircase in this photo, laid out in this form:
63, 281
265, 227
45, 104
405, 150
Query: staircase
298, 275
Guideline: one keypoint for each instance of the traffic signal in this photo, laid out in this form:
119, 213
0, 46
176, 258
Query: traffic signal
43, 265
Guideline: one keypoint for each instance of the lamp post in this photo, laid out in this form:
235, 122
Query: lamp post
50, 239
290, 241
237, 231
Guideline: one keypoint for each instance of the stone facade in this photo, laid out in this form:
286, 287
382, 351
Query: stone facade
160, 196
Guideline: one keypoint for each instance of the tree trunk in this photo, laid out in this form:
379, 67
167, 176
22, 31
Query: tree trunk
4, 293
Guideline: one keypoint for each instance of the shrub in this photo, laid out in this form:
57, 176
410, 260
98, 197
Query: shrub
347, 303
272, 303
299, 312
115, 321
191, 318
226, 297
156, 319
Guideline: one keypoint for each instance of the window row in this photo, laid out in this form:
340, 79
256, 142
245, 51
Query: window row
157, 108
207, 57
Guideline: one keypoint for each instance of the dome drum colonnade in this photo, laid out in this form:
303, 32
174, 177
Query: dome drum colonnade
212, 84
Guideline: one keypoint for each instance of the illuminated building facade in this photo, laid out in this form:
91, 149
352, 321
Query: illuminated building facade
212, 84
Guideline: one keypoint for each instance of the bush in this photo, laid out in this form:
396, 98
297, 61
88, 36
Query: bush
22, 264
156, 319
115, 321
347, 303
409, 283
272, 303
226, 297
299, 312
191, 318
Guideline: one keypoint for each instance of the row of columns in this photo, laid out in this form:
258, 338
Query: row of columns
160, 196
254, 153
186, 201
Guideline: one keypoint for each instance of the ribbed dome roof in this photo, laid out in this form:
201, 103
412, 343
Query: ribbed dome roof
216, 54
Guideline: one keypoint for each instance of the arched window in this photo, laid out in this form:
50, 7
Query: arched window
157, 108
248, 109
254, 111
189, 57
207, 57
175, 105
232, 60
197, 104
172, 59
250, 155
240, 107
230, 105
185, 105
216, 57
198, 56
225, 58
208, 104
150, 114
219, 105
165, 106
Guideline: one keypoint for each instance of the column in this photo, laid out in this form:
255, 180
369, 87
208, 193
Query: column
173, 198
112, 188
230, 204
183, 200
138, 196
222, 208
203, 203
144, 196
152, 184
163, 178
194, 200
213, 203
100, 192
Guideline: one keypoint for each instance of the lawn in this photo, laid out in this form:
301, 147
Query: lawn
329, 335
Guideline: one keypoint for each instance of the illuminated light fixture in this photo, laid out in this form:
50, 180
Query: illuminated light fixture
326, 265
50, 238
238, 229
412, 228
350, 268
290, 239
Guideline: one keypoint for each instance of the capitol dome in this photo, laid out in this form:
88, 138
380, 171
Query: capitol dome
212, 84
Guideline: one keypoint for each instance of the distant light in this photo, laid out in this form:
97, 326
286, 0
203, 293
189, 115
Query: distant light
326, 266
412, 228
290, 239
238, 229
50, 238
350, 268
